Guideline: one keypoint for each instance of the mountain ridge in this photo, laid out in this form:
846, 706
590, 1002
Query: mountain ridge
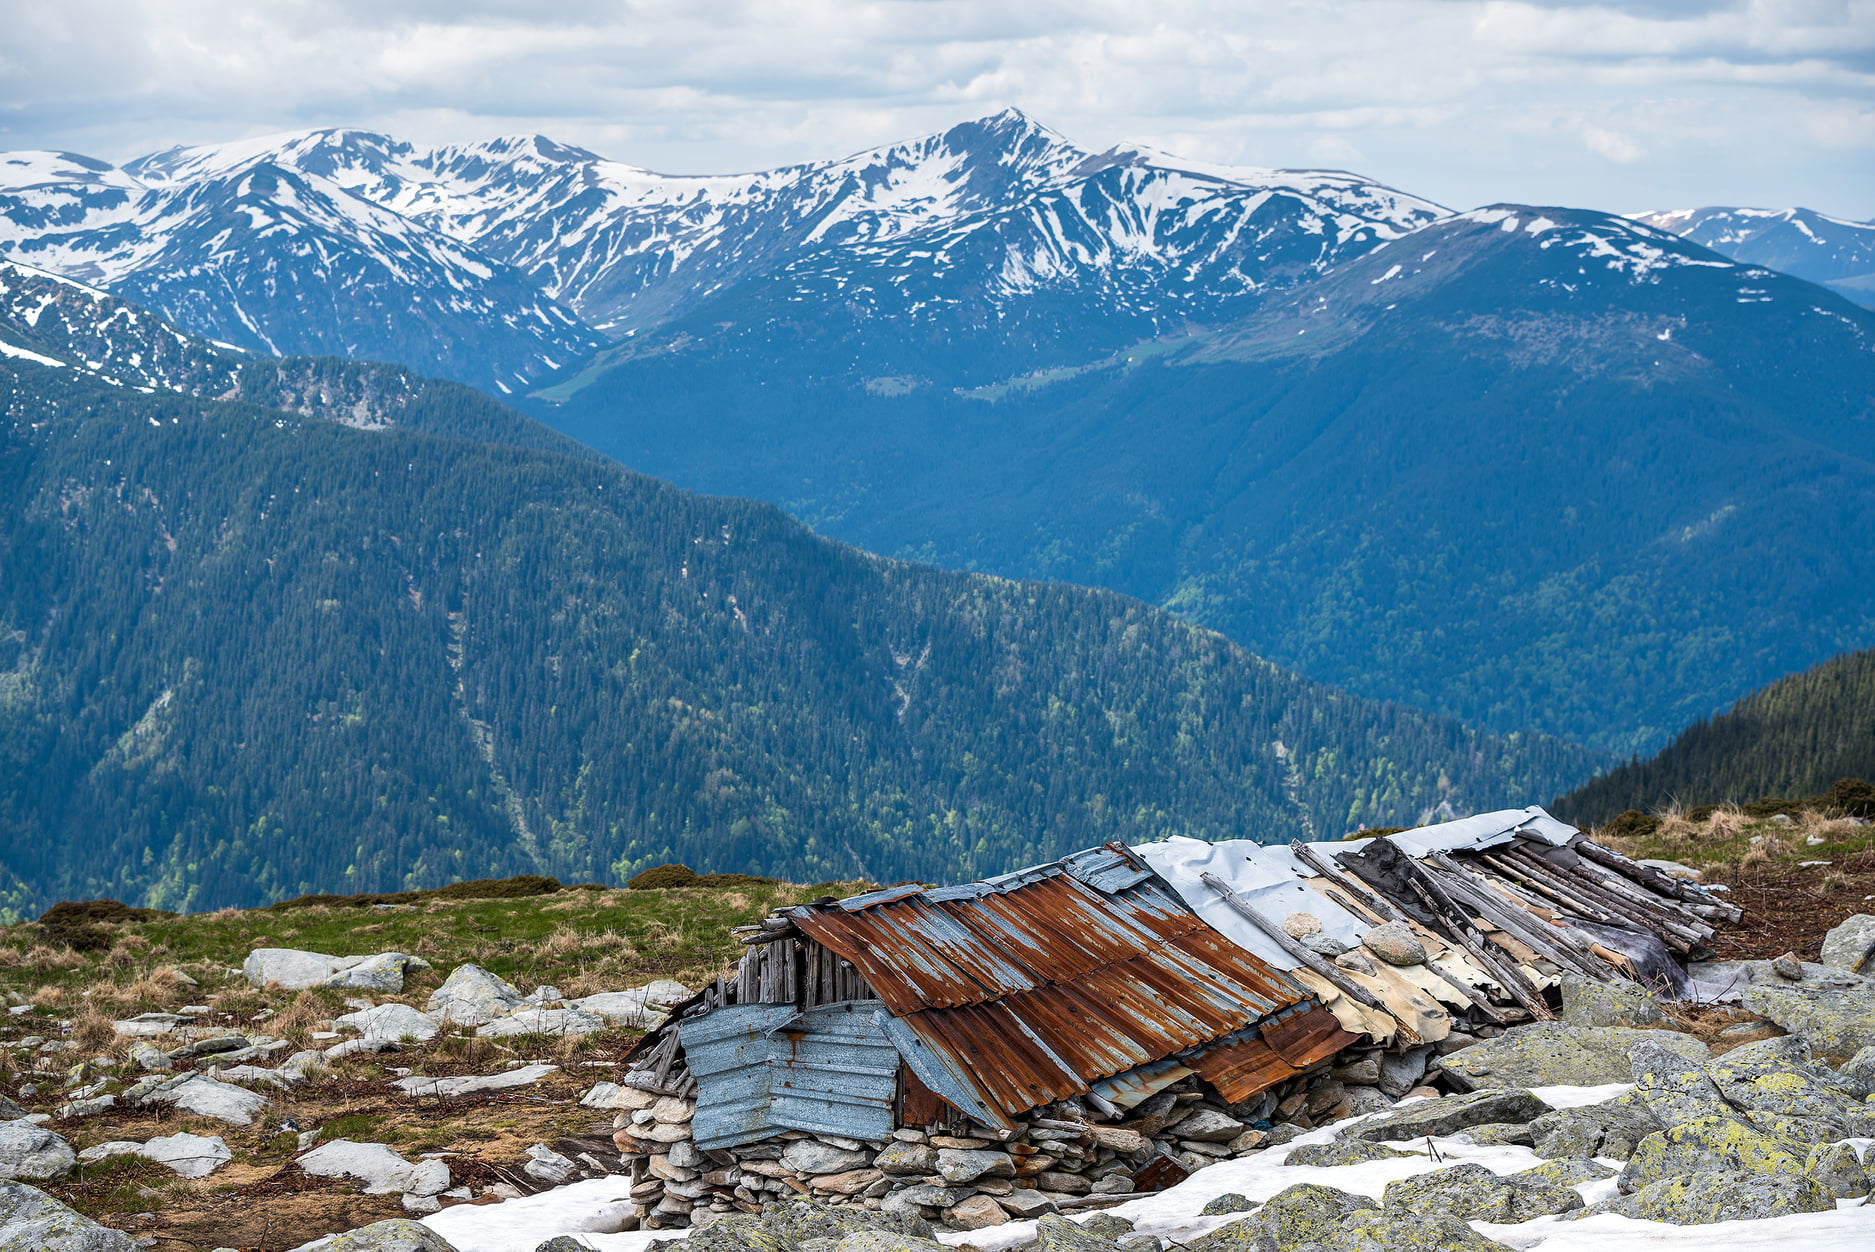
248, 652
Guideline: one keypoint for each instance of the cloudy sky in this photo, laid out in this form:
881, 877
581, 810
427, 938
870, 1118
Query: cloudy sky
1626, 104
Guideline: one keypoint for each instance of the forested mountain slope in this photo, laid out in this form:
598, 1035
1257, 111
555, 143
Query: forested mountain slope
247, 653
1534, 467
1793, 738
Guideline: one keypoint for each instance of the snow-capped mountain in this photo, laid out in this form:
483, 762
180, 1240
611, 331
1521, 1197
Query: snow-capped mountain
1836, 253
489, 262
242, 245
59, 323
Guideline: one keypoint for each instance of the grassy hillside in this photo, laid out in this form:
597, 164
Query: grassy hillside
247, 654
1794, 738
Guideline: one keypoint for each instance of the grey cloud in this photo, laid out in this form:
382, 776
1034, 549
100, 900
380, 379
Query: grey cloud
1620, 104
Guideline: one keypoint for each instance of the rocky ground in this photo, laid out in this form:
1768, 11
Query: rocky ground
176, 1083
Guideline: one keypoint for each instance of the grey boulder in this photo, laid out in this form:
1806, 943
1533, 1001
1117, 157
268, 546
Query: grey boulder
1845, 945
32, 1221
1474, 1193
471, 996
811, 1156
34, 1153
1395, 943
1716, 1196
1543, 1054
1448, 1115
389, 1021
1586, 1002
400, 1234
295, 970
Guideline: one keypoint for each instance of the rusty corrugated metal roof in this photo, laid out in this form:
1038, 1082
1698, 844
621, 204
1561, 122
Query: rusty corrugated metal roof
1028, 989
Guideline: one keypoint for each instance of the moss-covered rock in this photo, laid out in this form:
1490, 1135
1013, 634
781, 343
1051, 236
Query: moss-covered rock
1474, 1193
1545, 1053
1707, 1145
1719, 1196
1342, 1152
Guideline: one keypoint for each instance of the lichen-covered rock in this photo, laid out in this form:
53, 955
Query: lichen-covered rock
907, 1158
1837, 1023
398, 1235
1391, 1231
1229, 1202
1838, 1169
1244, 1236
1342, 1152
1106, 1225
1845, 945
1566, 1172
1610, 1129
1474, 1193
1395, 943
34, 1153
1857, 1074
1709, 1144
1308, 1213
1586, 1002
1450, 1114
1672, 1088
969, 1164
32, 1221
872, 1241
1548, 1053
1500, 1134
1778, 1079
796, 1221
1718, 1196
471, 996
1057, 1234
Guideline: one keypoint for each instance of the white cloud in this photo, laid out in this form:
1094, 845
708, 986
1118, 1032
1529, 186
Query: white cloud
1466, 101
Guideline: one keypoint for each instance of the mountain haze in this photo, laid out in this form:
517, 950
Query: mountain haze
368, 642
1530, 466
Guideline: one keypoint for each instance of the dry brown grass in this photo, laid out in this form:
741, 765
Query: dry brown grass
297, 1021
11, 958
48, 997
92, 1032
471, 1049
46, 959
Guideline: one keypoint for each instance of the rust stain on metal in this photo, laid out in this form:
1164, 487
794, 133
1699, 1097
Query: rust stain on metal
1031, 992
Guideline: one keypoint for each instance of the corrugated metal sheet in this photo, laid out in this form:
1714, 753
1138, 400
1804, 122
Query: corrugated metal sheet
834, 1071
727, 1050
1007, 999
761, 1068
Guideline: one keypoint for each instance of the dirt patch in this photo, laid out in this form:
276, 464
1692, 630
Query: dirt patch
1789, 908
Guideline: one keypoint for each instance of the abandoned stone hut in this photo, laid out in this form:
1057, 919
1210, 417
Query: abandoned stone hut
1103, 1025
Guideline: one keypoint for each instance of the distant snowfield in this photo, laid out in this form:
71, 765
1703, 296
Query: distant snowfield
523, 1225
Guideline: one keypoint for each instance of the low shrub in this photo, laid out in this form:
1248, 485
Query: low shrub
475, 889
662, 876
1633, 823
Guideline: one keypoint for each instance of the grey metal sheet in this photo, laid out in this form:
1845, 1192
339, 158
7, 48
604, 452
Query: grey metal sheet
728, 1052
1266, 877
833, 1070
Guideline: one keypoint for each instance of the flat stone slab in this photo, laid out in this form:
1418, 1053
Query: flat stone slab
1450, 1114
1546, 1054
190, 1156
296, 970
381, 1169
33, 1153
448, 1087
223, 1101
642, 1008
389, 1021
555, 1022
